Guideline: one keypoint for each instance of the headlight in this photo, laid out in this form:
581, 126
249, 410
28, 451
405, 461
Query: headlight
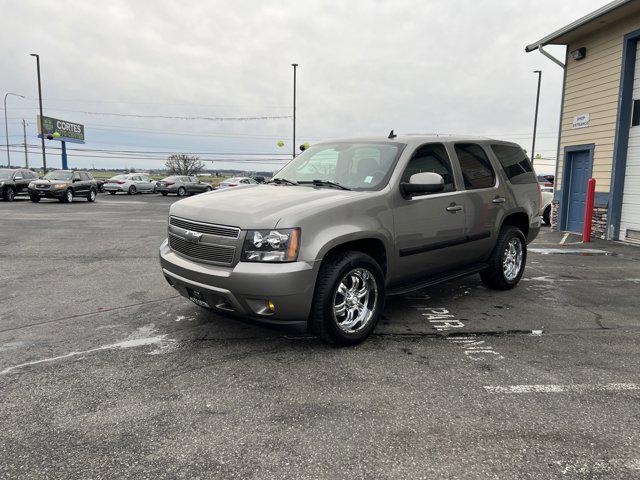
1, 184
271, 245
59, 185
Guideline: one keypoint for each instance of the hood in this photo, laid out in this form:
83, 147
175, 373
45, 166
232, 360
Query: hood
42, 181
257, 206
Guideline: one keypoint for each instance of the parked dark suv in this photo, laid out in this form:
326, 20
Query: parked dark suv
64, 185
14, 181
348, 222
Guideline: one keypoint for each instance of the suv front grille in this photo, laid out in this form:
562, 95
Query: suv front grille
209, 228
202, 251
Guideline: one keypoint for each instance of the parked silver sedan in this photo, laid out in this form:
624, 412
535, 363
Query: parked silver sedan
182, 185
130, 183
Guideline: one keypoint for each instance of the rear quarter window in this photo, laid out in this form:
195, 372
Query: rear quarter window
515, 164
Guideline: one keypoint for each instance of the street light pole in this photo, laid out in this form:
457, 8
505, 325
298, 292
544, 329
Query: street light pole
295, 67
44, 153
535, 120
24, 136
6, 124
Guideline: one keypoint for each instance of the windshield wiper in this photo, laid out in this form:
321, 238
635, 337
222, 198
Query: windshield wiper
282, 181
325, 183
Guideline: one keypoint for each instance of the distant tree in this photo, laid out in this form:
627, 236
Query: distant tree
180, 164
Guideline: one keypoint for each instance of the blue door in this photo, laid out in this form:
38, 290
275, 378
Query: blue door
580, 170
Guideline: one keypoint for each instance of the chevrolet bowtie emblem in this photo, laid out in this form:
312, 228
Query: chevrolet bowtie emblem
193, 237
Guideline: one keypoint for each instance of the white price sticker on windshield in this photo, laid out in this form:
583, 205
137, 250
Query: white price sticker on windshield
368, 179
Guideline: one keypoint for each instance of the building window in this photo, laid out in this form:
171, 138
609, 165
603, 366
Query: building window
635, 116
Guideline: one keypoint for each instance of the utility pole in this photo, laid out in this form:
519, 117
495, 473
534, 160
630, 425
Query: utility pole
295, 67
24, 135
44, 153
535, 120
6, 124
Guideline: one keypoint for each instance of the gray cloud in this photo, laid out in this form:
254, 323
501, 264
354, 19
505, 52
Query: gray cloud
365, 67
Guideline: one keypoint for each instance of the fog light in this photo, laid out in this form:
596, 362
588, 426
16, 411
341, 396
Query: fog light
271, 306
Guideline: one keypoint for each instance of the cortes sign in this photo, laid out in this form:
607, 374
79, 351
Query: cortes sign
66, 131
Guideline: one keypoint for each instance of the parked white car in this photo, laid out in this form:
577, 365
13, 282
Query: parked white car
130, 183
236, 181
545, 204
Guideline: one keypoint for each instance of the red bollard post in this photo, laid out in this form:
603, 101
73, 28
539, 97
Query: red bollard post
588, 212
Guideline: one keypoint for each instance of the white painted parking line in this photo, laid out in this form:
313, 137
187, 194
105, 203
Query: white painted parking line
121, 202
564, 238
575, 388
573, 251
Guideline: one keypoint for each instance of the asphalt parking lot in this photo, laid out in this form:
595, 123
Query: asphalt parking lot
106, 373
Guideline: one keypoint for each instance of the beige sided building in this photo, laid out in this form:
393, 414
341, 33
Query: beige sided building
600, 121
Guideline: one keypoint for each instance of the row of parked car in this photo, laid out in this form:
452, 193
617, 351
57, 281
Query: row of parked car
65, 185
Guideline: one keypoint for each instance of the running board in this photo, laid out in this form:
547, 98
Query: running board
437, 279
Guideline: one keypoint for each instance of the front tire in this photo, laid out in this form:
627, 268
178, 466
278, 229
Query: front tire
34, 199
68, 196
348, 298
91, 197
546, 215
112, 192
507, 262
164, 194
9, 194
132, 190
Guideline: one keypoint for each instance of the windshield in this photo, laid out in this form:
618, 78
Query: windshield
6, 174
354, 165
60, 175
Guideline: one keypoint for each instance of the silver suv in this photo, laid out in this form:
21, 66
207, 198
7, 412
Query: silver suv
349, 222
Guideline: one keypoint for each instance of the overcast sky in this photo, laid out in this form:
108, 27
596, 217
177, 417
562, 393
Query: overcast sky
365, 67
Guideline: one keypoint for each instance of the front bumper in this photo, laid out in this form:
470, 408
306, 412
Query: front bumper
48, 193
245, 288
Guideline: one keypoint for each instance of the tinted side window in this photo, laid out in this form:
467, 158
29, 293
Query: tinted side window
431, 158
84, 176
515, 164
476, 168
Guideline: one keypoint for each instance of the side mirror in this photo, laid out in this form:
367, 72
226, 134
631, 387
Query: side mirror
75, 180
421, 183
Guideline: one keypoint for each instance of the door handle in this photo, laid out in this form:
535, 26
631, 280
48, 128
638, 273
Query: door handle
454, 208
499, 200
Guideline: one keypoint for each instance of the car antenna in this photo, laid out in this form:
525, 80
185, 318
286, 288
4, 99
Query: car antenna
392, 135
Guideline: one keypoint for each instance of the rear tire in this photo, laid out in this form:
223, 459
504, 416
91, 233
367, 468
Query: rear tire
9, 194
112, 192
35, 199
164, 194
507, 262
328, 320
546, 215
91, 197
182, 192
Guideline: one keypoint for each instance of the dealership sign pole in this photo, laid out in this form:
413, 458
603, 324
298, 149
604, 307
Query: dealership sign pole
61, 130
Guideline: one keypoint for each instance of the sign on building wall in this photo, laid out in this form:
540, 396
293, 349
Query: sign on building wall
67, 131
580, 121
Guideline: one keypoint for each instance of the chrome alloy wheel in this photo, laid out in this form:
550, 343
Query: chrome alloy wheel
512, 259
355, 300
69, 196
